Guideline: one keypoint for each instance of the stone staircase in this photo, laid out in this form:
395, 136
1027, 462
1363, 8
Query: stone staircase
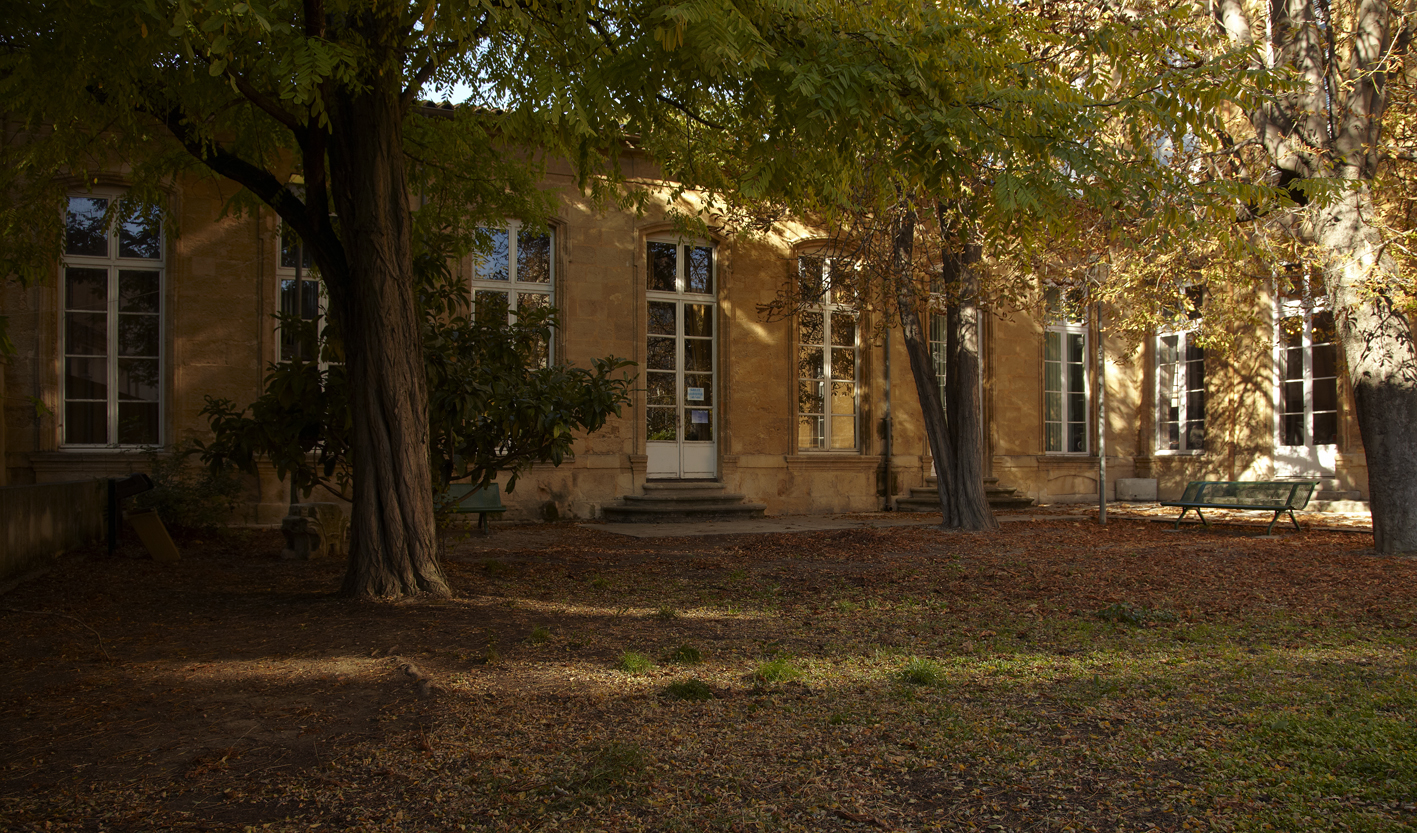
1328, 497
681, 501
927, 498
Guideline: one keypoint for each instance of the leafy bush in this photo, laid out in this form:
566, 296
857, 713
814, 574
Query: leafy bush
189, 495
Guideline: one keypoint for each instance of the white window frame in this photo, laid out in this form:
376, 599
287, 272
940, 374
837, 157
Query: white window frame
829, 305
1305, 308
939, 345
305, 273
513, 287
1058, 325
113, 263
1178, 396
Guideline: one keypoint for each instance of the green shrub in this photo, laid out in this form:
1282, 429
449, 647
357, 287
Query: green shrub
187, 494
691, 689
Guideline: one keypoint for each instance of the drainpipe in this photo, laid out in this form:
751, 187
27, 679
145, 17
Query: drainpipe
886, 445
1101, 422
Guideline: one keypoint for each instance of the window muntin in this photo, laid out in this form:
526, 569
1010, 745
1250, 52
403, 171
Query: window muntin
828, 358
111, 327
679, 342
517, 273
1065, 388
939, 343
1180, 393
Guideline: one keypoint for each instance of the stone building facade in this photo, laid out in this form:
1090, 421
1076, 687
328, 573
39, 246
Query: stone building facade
117, 353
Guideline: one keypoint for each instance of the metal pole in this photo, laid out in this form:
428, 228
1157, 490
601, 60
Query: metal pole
1101, 422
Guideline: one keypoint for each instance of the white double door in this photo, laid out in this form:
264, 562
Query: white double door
681, 385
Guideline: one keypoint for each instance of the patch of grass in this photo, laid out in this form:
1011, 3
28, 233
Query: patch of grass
922, 672
540, 634
599, 583
634, 662
690, 689
1135, 615
493, 567
845, 605
610, 766
738, 575
666, 614
686, 655
778, 670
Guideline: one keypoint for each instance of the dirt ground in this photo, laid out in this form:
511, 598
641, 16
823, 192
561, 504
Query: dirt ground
234, 691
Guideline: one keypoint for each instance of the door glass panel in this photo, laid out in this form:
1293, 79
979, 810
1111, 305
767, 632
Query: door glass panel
844, 363
698, 389
813, 328
663, 267
661, 318
659, 388
661, 425
810, 397
699, 271
1325, 428
698, 425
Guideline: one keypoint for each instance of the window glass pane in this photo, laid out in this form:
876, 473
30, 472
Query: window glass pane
809, 362
85, 378
663, 267
843, 398
843, 432
659, 388
698, 320
491, 306
86, 289
843, 329
844, 363
659, 354
1075, 343
698, 389
661, 318
1076, 382
1077, 407
1325, 360
1195, 405
810, 431
1323, 331
813, 328
86, 334
1077, 437
86, 423
1053, 436
698, 425
533, 257
84, 231
699, 271
137, 423
1053, 407
290, 244
698, 354
138, 291
1053, 377
810, 397
137, 379
1294, 397
661, 425
1195, 436
139, 237
1294, 429
1325, 395
493, 265
1325, 428
1052, 347
1294, 363
138, 335
811, 276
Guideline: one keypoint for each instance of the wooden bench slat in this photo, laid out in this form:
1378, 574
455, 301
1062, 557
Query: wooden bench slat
1277, 496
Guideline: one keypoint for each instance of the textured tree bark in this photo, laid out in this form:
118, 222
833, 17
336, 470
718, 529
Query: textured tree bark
955, 444
1381, 359
964, 412
392, 534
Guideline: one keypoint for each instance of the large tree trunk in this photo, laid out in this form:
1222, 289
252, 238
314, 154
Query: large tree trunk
1381, 358
969, 504
392, 536
958, 478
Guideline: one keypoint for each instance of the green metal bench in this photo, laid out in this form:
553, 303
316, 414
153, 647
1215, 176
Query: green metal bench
1277, 496
465, 498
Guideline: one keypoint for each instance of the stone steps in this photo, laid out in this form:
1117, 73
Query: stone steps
681, 501
927, 498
